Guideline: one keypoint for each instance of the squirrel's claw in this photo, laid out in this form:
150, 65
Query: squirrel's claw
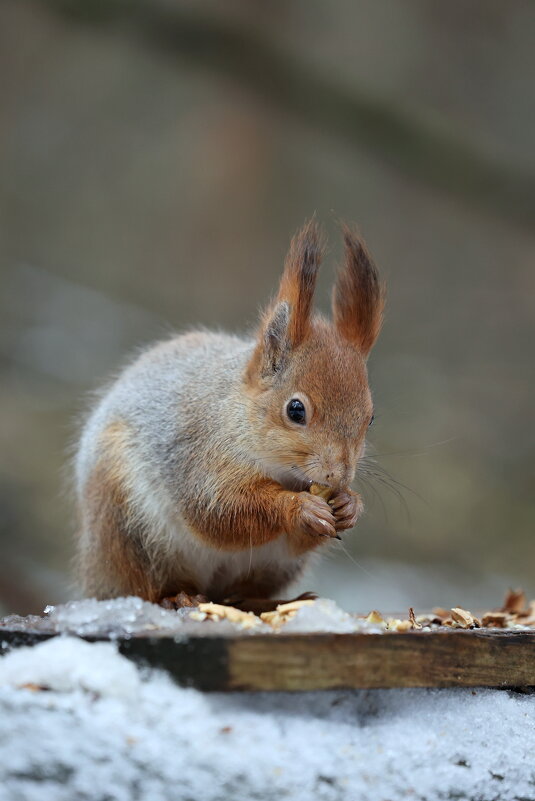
316, 517
347, 508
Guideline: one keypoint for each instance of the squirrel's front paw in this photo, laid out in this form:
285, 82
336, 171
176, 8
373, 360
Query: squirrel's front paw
314, 517
346, 507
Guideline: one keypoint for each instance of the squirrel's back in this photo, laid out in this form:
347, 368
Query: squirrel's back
169, 388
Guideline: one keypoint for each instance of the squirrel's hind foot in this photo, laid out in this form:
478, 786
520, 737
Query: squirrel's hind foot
181, 600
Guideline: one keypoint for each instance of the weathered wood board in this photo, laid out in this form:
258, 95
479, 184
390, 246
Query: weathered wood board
444, 658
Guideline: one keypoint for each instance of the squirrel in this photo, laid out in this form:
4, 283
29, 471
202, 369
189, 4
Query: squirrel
193, 472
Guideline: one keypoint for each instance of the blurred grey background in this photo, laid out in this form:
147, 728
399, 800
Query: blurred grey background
156, 157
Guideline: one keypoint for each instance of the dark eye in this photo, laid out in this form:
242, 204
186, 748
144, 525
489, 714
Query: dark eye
372, 418
296, 411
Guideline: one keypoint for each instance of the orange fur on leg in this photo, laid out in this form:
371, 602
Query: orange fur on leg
255, 514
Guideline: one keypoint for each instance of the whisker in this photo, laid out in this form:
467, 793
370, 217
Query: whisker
383, 481
364, 479
357, 564
377, 469
250, 553
411, 454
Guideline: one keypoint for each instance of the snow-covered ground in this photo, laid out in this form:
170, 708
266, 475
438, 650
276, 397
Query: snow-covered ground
105, 729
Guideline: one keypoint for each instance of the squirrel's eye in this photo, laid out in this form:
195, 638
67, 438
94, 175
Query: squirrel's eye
372, 418
296, 411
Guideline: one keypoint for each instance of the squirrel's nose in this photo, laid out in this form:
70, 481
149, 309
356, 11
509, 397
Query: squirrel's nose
338, 467
337, 476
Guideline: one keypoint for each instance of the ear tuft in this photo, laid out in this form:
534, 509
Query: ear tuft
358, 295
299, 279
286, 323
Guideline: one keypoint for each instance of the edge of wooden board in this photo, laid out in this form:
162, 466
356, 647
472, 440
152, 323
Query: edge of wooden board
296, 662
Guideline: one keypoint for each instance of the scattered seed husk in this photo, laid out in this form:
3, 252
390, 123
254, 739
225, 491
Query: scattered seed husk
294, 606
412, 619
440, 612
515, 603
375, 617
464, 618
495, 620
395, 624
284, 612
210, 611
426, 621
515, 613
34, 688
528, 618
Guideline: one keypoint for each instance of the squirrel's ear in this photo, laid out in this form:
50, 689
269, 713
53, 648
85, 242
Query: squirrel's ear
274, 345
358, 295
286, 322
299, 280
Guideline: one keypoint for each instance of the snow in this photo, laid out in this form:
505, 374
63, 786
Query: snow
326, 615
66, 664
120, 617
116, 617
107, 729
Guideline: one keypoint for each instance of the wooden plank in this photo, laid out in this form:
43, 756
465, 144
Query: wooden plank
426, 659
458, 658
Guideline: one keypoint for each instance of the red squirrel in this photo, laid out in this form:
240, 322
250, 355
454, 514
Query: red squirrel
194, 469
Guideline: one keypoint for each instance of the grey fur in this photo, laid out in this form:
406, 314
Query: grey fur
183, 403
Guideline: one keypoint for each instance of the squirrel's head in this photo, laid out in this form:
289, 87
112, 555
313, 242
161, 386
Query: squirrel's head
307, 390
